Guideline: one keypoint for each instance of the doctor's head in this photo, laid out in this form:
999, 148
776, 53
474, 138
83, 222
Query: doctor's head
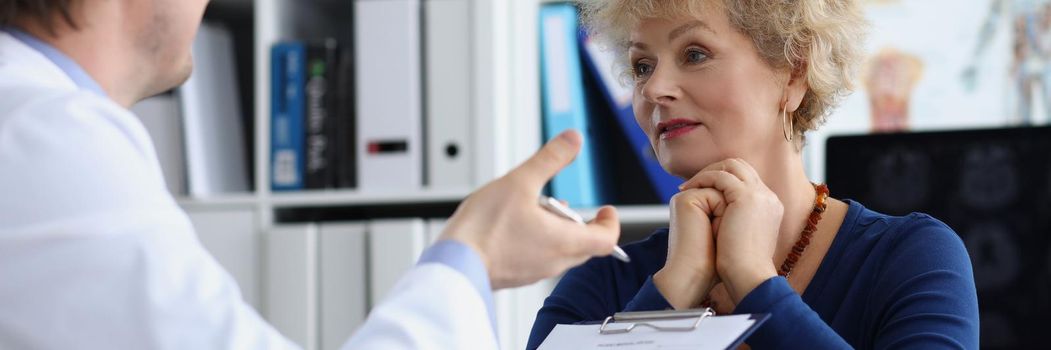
717, 79
133, 48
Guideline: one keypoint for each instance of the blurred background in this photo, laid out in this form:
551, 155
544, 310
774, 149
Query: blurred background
320, 144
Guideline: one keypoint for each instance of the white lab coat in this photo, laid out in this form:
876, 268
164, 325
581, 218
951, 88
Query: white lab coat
95, 254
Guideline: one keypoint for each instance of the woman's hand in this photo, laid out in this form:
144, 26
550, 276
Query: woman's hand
747, 231
689, 273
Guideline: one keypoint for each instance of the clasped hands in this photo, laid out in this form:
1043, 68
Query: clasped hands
724, 229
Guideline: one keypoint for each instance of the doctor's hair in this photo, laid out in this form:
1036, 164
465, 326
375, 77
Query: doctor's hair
40, 12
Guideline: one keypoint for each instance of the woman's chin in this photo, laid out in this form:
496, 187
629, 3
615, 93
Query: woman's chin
682, 171
686, 167
685, 160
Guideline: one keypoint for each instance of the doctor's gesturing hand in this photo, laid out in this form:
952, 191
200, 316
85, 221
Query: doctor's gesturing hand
519, 241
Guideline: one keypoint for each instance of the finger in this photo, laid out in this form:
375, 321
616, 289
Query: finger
744, 170
602, 233
725, 182
709, 200
734, 166
564, 202
549, 160
715, 226
717, 166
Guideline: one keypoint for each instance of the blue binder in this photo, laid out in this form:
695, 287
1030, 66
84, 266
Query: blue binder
288, 81
618, 97
564, 104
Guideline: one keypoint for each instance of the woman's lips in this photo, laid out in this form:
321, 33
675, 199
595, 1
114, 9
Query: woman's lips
675, 128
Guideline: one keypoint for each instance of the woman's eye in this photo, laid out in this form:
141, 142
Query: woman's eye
695, 56
640, 69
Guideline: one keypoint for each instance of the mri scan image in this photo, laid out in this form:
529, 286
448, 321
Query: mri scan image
899, 180
990, 177
994, 255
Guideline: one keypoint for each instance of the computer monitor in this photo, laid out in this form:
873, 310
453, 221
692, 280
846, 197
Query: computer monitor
993, 187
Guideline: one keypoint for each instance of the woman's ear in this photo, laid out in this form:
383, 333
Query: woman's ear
796, 88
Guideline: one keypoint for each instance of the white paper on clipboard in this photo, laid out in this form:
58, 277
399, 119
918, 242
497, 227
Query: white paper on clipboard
712, 332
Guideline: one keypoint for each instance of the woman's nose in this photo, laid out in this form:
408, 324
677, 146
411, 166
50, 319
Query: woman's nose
661, 87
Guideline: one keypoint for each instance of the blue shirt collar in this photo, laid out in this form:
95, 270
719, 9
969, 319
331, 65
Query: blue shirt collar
66, 64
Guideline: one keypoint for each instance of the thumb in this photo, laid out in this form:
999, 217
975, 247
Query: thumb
602, 232
549, 160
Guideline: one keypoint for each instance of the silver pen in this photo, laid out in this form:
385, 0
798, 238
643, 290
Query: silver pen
556, 207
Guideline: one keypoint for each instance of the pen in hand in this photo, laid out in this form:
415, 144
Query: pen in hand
554, 206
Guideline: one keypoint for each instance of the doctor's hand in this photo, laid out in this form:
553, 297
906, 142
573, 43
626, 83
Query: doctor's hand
519, 241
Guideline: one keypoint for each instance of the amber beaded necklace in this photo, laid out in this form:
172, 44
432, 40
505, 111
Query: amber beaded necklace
820, 204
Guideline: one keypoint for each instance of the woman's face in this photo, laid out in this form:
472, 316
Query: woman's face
703, 94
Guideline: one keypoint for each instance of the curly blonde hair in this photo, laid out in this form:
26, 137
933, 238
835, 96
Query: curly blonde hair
823, 38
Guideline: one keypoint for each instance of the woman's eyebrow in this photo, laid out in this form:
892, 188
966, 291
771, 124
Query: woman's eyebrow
679, 31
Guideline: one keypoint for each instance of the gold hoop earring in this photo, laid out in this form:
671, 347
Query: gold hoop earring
785, 120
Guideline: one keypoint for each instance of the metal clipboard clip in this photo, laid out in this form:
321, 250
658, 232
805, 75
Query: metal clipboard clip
641, 318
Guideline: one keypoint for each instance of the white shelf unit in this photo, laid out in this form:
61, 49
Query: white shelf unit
321, 198
224, 200
505, 97
504, 125
637, 214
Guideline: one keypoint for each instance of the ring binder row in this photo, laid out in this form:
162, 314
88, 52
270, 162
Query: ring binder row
642, 318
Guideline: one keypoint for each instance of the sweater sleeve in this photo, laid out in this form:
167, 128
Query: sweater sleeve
924, 295
790, 320
649, 298
927, 291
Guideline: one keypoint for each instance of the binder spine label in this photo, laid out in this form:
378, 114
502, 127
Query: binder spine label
320, 99
287, 116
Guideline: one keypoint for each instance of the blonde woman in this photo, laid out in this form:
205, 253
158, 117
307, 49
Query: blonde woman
726, 91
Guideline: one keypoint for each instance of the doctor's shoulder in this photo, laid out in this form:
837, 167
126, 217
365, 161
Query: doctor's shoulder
67, 151
40, 101
28, 110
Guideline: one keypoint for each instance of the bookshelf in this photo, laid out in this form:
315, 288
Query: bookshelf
505, 95
505, 130
219, 201
318, 198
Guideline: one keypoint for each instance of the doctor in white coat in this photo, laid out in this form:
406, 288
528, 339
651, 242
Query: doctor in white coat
95, 254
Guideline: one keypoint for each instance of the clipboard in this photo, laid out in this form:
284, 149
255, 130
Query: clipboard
693, 328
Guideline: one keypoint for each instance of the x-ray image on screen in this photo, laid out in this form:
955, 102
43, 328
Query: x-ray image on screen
898, 179
993, 187
989, 177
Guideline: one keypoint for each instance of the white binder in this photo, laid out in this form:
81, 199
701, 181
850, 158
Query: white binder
342, 281
394, 247
163, 121
448, 93
389, 112
434, 230
291, 283
231, 236
215, 146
